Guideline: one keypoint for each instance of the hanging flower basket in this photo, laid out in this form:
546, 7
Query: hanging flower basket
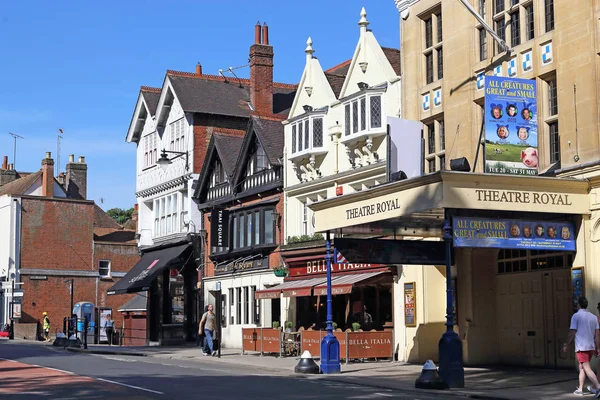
280, 272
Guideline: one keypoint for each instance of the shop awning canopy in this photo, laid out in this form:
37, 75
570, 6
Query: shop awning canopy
140, 277
344, 284
300, 287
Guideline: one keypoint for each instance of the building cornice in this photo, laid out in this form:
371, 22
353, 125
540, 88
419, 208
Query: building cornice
162, 187
404, 5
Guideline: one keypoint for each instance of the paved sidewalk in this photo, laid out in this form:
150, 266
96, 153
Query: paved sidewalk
482, 383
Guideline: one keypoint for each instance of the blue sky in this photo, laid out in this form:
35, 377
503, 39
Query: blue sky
79, 65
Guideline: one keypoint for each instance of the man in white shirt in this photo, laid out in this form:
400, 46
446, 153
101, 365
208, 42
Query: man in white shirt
586, 332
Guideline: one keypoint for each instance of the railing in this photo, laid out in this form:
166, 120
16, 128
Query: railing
218, 191
261, 178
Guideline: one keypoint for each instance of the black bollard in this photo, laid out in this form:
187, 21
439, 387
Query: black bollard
85, 331
430, 378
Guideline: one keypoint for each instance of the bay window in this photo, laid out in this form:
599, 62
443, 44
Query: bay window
252, 228
169, 212
362, 115
307, 135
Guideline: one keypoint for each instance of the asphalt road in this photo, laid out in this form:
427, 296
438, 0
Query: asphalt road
33, 372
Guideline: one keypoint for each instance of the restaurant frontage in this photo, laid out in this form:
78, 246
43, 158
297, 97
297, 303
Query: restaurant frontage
519, 262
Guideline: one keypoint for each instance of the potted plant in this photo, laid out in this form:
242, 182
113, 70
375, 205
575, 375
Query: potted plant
281, 271
288, 326
276, 325
355, 326
335, 325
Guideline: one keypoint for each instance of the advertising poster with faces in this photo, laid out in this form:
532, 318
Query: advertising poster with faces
511, 132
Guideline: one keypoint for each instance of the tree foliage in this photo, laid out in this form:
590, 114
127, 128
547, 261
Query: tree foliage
120, 215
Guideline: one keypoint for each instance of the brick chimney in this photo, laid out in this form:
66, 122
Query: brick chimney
5, 162
7, 173
261, 71
48, 176
76, 179
198, 69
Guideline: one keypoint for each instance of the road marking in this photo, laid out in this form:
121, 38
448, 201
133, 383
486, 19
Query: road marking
384, 394
7, 359
129, 386
58, 370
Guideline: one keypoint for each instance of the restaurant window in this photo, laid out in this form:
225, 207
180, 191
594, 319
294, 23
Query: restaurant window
238, 305
231, 304
515, 29
482, 44
529, 22
549, 13
177, 296
104, 268
429, 67
246, 305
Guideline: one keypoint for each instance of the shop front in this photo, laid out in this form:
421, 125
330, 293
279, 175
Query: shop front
517, 261
168, 274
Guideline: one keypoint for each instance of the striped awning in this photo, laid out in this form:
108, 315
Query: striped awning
343, 284
299, 287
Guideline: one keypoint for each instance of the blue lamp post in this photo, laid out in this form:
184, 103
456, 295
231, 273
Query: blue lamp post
330, 346
450, 346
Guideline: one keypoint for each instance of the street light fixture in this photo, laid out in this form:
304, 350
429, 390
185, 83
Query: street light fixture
164, 161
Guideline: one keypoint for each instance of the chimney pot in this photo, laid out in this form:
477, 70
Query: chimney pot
257, 33
261, 75
48, 176
198, 69
5, 162
71, 157
48, 154
265, 34
81, 159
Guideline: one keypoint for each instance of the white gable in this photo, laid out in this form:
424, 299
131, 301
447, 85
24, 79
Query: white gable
36, 189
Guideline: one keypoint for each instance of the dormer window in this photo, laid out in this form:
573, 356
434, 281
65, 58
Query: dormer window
307, 136
218, 175
177, 135
258, 161
150, 149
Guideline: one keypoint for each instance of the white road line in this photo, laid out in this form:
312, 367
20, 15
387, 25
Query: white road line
59, 370
384, 394
129, 386
6, 359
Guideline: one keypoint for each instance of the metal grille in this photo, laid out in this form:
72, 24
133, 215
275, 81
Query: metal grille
363, 114
318, 132
347, 120
375, 111
293, 138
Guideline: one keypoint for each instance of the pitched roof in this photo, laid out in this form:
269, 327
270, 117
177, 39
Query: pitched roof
228, 147
102, 220
21, 185
336, 82
122, 236
393, 56
151, 96
271, 136
216, 95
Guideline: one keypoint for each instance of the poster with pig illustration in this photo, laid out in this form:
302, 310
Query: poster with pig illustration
511, 132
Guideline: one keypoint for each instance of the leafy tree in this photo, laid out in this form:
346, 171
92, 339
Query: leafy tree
120, 215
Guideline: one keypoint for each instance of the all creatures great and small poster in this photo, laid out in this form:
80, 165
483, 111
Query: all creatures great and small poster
511, 131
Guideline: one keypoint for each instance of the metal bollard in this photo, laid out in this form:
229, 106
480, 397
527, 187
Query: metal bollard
65, 326
85, 331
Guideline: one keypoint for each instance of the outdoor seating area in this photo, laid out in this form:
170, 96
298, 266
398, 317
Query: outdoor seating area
354, 346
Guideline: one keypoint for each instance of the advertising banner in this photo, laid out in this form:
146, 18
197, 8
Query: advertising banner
511, 131
578, 285
513, 234
410, 300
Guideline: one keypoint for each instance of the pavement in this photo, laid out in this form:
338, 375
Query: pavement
480, 383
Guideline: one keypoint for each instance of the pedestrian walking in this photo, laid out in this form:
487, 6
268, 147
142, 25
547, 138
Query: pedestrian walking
46, 326
585, 330
109, 326
207, 325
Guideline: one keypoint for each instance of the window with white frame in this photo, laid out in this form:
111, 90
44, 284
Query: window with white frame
363, 114
177, 135
104, 268
305, 218
307, 134
258, 161
218, 175
169, 214
150, 149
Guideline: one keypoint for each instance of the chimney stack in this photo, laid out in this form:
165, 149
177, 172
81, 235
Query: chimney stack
76, 178
7, 174
198, 69
5, 162
261, 71
48, 176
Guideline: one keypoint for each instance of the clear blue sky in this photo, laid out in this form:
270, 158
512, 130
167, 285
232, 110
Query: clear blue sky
79, 66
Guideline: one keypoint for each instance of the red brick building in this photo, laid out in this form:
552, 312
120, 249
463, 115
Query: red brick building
64, 238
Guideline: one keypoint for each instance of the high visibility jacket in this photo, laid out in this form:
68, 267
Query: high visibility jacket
46, 322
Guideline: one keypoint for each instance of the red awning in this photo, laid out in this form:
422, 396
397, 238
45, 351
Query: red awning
316, 257
300, 287
343, 284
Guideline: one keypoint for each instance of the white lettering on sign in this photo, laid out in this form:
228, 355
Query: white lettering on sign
320, 267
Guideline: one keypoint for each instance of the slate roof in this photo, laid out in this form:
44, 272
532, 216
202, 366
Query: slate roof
151, 96
137, 303
393, 56
212, 94
336, 82
102, 220
122, 236
228, 148
21, 185
271, 136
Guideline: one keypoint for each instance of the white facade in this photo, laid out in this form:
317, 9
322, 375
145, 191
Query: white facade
346, 143
10, 234
165, 206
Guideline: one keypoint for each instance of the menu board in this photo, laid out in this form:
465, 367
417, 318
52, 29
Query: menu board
410, 304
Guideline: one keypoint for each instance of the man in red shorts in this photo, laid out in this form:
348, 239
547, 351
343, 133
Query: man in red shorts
586, 332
